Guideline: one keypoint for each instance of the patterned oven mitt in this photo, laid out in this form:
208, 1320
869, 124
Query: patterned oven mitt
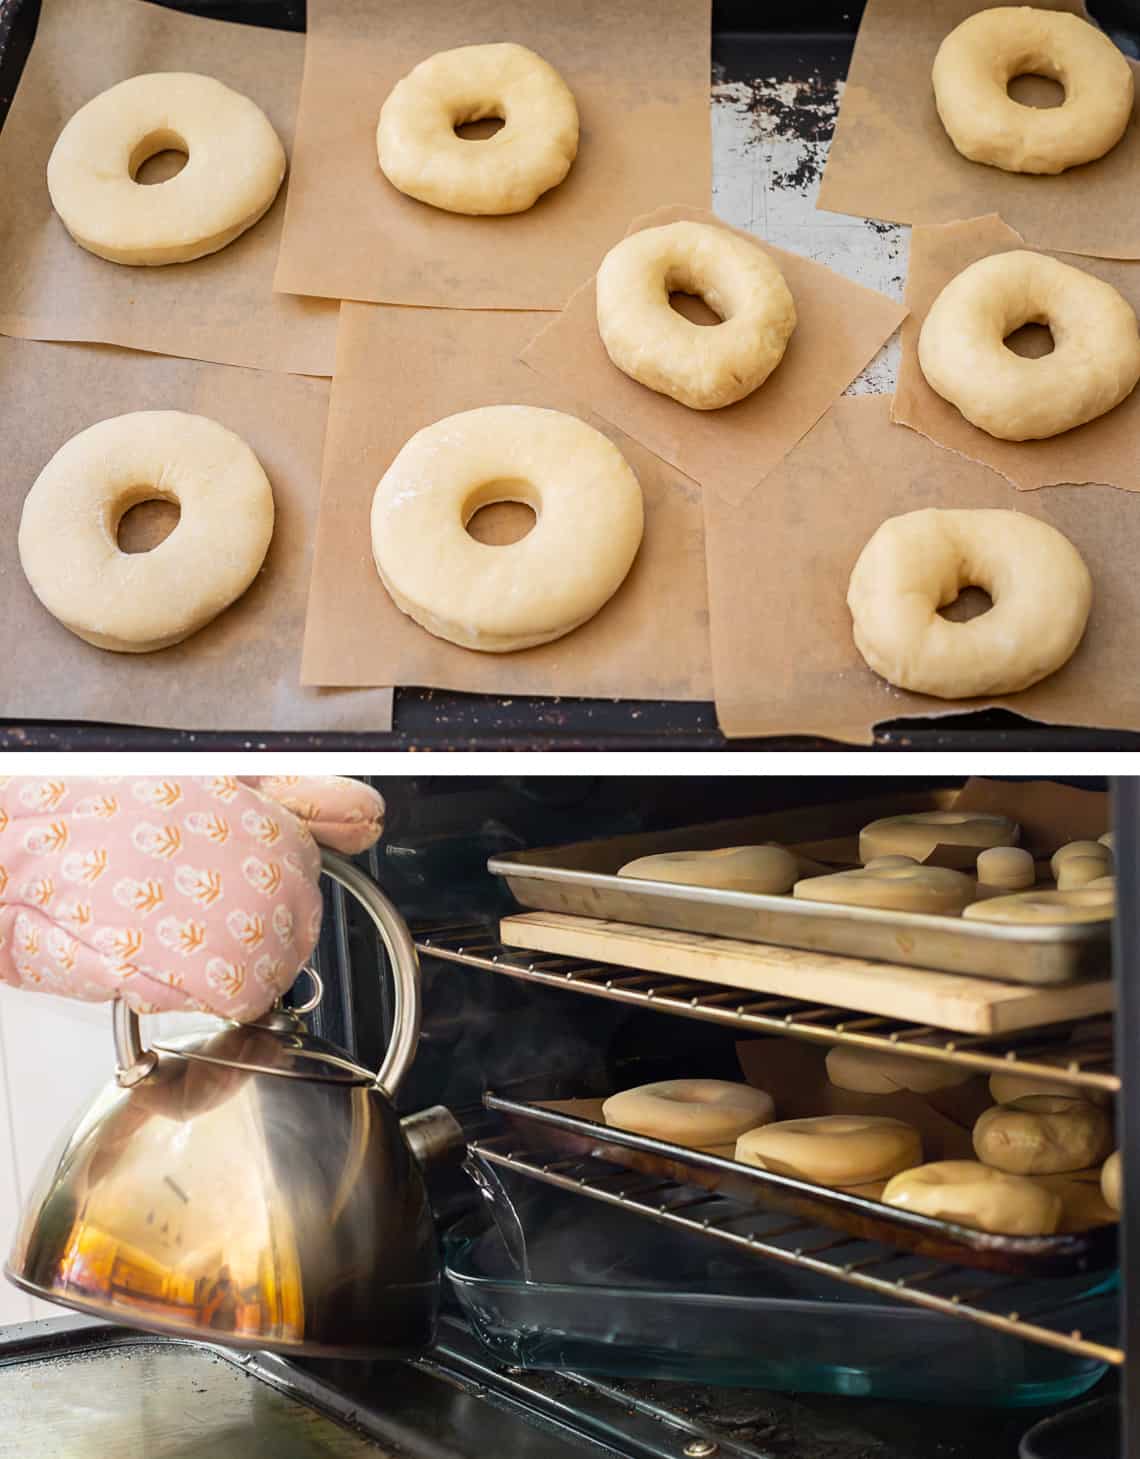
173, 893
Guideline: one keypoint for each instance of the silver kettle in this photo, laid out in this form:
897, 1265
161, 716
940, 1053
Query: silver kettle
251, 1186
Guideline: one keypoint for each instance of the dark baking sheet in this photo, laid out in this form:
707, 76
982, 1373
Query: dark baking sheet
1015, 1256
809, 43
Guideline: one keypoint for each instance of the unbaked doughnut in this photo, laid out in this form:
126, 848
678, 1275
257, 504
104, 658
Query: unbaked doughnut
1108, 839
234, 166
766, 869
979, 58
1047, 908
917, 834
871, 1071
1082, 849
704, 1114
1080, 863
1094, 364
970, 1194
919, 562
422, 155
702, 366
1110, 1181
877, 863
1043, 1134
835, 1150
1005, 1088
934, 889
135, 602
1082, 1201
1006, 868
585, 497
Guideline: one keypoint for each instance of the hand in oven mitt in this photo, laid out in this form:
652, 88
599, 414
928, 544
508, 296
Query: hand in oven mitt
175, 892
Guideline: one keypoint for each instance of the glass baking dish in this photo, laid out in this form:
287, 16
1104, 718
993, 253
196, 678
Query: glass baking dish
602, 1298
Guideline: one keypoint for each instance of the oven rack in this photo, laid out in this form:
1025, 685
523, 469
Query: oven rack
1087, 1066
939, 1287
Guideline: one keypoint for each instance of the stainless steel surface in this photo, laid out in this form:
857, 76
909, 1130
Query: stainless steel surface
581, 879
156, 1400
1086, 1063
886, 1272
434, 1137
572, 1131
252, 1187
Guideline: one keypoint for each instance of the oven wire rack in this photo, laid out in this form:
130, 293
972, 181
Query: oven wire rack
1046, 1053
939, 1287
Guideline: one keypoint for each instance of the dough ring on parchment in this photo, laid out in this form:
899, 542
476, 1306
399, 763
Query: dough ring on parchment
932, 889
833, 1150
979, 58
421, 154
234, 167
1043, 1134
1006, 869
919, 562
971, 1194
704, 1114
919, 832
1047, 908
1094, 364
704, 367
589, 513
1111, 1180
768, 870
136, 602
872, 1071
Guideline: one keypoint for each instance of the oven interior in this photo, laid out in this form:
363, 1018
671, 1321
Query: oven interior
644, 1310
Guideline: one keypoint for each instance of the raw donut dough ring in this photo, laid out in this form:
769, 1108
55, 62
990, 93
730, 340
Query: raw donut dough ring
917, 834
1094, 364
1005, 1088
585, 497
871, 1071
1047, 908
136, 602
919, 562
1111, 1178
1043, 1134
833, 1150
975, 1195
704, 367
1006, 868
703, 1114
767, 870
979, 58
421, 155
234, 167
929, 889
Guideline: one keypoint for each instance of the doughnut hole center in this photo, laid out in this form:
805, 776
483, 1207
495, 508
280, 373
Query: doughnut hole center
160, 156
688, 298
971, 602
1031, 341
146, 520
501, 512
478, 129
1037, 89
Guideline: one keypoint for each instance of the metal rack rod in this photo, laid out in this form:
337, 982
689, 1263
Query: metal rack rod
586, 1178
1083, 1066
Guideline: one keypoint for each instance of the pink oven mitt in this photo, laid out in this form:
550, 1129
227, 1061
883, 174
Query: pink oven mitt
174, 892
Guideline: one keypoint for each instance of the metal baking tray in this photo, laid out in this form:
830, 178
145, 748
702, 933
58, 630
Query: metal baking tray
581, 879
866, 1220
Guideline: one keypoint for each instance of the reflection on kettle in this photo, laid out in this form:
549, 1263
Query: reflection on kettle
251, 1186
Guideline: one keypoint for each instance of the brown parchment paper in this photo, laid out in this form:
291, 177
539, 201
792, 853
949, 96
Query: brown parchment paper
219, 308
1103, 450
399, 370
241, 672
784, 661
839, 328
639, 72
1050, 815
891, 158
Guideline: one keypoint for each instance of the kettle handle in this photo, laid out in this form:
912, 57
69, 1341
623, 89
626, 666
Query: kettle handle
135, 1062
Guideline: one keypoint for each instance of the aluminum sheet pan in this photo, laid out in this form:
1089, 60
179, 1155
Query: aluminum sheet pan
581, 879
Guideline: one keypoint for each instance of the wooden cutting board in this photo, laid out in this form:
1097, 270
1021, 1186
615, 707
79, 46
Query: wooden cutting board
945, 1000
